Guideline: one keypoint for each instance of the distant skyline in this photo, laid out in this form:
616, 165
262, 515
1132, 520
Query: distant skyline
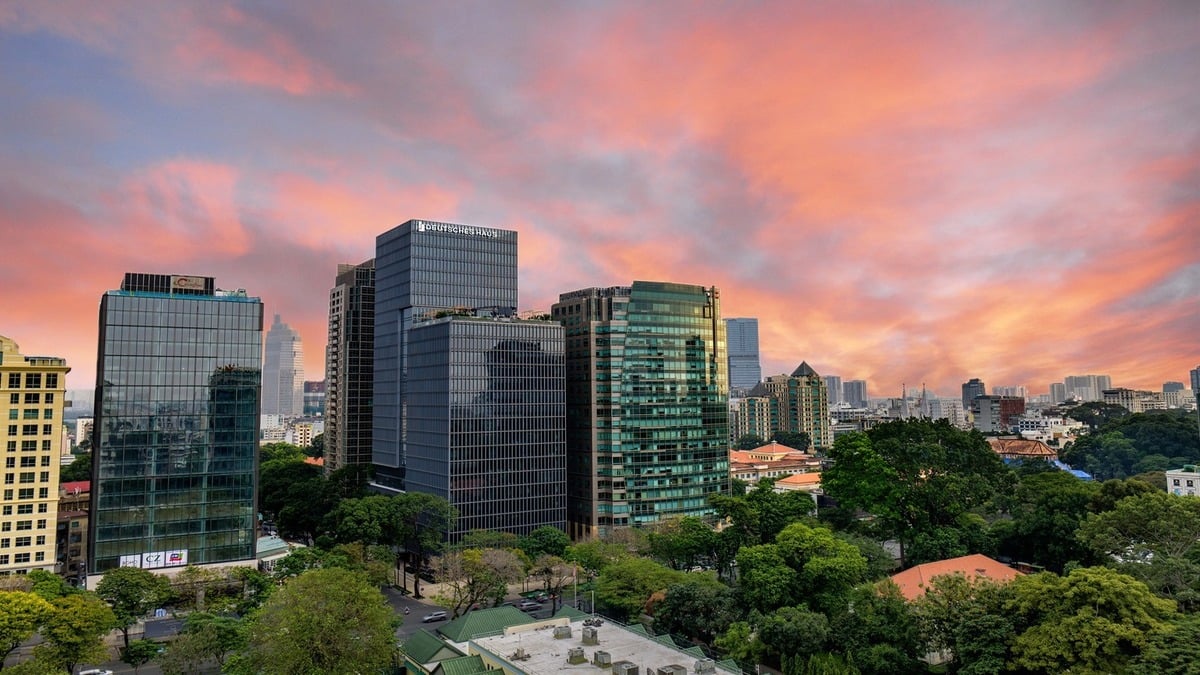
910, 193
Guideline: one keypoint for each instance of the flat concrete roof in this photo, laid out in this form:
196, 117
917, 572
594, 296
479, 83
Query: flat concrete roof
548, 655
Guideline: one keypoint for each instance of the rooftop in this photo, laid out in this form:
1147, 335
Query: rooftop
914, 581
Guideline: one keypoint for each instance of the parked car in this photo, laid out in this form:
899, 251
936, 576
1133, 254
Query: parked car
529, 606
433, 616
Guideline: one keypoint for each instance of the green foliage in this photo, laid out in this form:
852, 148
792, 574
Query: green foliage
741, 642
826, 566
682, 543
1093, 620
474, 575
765, 579
1047, 509
34, 666
965, 618
880, 563
205, 638
761, 514
488, 539
1095, 414
916, 476
317, 448
257, 586
324, 621
276, 480
73, 632
698, 607
20, 615
422, 521
1125, 445
140, 652
1154, 537
1113, 491
80, 468
370, 520
132, 592
269, 452
794, 632
876, 630
796, 440
1172, 651
625, 586
49, 585
749, 442
596, 555
545, 540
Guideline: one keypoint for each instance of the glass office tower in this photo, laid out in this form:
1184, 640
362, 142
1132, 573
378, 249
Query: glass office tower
486, 420
745, 370
349, 367
422, 267
647, 404
178, 379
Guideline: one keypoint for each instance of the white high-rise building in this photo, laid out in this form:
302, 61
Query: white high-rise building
833, 384
283, 372
741, 339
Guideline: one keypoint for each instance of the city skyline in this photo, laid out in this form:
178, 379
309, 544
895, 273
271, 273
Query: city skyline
1009, 197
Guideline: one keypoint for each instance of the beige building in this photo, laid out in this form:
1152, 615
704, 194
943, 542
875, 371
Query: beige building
32, 396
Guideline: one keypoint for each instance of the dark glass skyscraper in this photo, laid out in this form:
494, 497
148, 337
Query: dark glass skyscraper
349, 367
422, 267
179, 374
971, 390
485, 424
745, 369
647, 404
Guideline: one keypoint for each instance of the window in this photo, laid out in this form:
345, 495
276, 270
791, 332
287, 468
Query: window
9, 479
4, 559
52, 380
27, 461
29, 430
32, 399
14, 399
43, 493
39, 540
10, 462
28, 446
49, 398
39, 556
21, 558
47, 429
14, 380
48, 413
41, 525
24, 524
12, 446
27, 477
41, 508
44, 477
45, 460
25, 493
6, 526
8, 494
23, 541
33, 380
5, 542
29, 414
24, 509
45, 446
12, 430
12, 413
7, 510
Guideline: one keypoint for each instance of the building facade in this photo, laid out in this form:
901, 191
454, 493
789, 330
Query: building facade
1134, 400
422, 267
283, 372
647, 404
854, 393
833, 389
1086, 387
972, 389
486, 420
314, 398
350, 367
179, 373
32, 399
745, 369
800, 404
997, 414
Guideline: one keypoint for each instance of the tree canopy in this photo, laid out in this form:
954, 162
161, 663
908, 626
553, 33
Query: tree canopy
132, 592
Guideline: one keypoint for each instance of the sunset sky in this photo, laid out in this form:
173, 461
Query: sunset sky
901, 192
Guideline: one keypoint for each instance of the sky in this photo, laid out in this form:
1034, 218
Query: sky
900, 192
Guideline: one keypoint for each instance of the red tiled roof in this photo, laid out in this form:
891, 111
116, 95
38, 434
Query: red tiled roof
1021, 447
76, 486
913, 582
315, 461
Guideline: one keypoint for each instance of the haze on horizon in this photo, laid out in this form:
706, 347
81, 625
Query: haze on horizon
899, 192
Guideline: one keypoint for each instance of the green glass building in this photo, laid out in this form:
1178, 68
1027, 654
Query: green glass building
178, 384
647, 404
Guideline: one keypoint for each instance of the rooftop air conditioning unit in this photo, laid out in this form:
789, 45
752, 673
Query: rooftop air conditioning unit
706, 666
590, 635
672, 669
561, 632
575, 656
601, 659
624, 668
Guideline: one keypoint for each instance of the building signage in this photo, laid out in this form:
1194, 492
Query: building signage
156, 559
423, 226
187, 283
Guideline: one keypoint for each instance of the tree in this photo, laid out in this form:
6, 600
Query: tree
765, 579
422, 521
797, 440
554, 573
547, 540
276, 480
317, 448
73, 631
1047, 510
740, 642
750, 442
1154, 537
474, 575
876, 630
488, 539
595, 555
699, 607
132, 592
682, 543
49, 585
193, 584
20, 615
140, 652
324, 621
624, 587
759, 515
826, 567
205, 638
370, 520
79, 469
268, 452
951, 616
794, 632
915, 476
1092, 620
1120, 445
1175, 651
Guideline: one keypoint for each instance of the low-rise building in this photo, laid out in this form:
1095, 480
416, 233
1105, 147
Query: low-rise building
915, 581
1185, 481
770, 461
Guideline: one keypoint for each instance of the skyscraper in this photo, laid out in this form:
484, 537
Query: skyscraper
1087, 387
34, 390
745, 370
422, 267
283, 372
176, 429
854, 392
801, 404
647, 404
350, 366
833, 387
486, 419
971, 390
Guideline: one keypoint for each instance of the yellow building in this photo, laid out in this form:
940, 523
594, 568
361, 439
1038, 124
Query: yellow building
32, 389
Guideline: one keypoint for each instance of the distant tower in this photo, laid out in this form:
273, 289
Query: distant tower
349, 366
34, 391
745, 369
971, 390
283, 372
854, 392
833, 385
1058, 393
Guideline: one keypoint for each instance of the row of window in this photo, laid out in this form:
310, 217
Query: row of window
33, 380
30, 399
26, 477
26, 462
26, 493
30, 429
7, 525
31, 414
24, 509
28, 446
21, 558
21, 542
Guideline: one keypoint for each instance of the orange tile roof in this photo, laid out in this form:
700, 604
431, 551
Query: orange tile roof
1021, 447
315, 461
800, 480
914, 581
